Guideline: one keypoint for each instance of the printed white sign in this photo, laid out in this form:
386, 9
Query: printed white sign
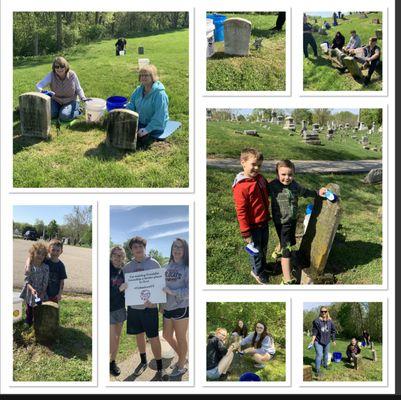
145, 285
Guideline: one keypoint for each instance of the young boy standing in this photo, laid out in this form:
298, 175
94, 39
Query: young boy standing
57, 273
144, 318
284, 192
252, 206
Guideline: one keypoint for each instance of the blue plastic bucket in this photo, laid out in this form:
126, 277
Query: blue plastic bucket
248, 377
363, 344
116, 102
218, 21
337, 356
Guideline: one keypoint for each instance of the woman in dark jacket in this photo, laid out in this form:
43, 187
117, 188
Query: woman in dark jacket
219, 357
118, 313
338, 41
240, 330
323, 331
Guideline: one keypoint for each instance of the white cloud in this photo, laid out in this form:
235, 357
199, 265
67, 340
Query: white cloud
159, 222
169, 233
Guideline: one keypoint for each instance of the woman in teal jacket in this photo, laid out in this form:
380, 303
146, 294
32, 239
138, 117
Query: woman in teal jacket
150, 101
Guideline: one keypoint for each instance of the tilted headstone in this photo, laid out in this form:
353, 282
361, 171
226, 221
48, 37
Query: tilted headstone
374, 176
280, 120
251, 132
35, 114
122, 126
352, 67
316, 243
307, 373
237, 35
46, 321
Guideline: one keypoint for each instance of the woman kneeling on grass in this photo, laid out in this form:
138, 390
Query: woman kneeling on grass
262, 347
176, 311
65, 88
118, 313
219, 357
150, 101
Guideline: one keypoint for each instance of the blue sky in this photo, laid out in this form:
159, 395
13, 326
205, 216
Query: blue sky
246, 111
159, 225
310, 306
29, 214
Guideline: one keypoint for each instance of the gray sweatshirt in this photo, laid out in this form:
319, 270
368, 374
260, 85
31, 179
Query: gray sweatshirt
267, 344
177, 280
146, 264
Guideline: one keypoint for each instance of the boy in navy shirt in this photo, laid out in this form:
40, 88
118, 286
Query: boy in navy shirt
57, 273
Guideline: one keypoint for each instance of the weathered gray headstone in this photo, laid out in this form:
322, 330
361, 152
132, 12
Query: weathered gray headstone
35, 114
322, 31
237, 35
122, 126
357, 360
280, 120
374, 176
365, 140
307, 373
330, 134
316, 243
375, 21
379, 34
289, 124
347, 125
251, 132
374, 355
46, 321
352, 67
274, 117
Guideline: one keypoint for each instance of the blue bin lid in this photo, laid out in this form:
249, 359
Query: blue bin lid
249, 376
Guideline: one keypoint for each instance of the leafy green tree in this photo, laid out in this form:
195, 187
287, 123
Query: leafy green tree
370, 115
53, 229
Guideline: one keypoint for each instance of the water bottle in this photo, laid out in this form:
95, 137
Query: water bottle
251, 249
38, 300
310, 345
330, 196
308, 214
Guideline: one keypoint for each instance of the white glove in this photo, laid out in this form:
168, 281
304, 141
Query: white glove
142, 132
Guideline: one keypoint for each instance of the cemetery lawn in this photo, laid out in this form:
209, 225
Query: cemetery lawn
77, 156
356, 254
69, 358
263, 69
320, 74
342, 371
276, 144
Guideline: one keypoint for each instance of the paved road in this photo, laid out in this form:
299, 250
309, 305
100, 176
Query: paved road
303, 166
77, 261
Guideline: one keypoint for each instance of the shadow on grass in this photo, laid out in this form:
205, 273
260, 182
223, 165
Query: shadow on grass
104, 152
266, 33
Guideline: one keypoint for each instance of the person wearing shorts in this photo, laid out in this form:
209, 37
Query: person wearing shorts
176, 310
144, 319
118, 313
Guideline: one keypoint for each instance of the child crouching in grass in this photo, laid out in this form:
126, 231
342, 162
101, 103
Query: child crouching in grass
36, 278
284, 192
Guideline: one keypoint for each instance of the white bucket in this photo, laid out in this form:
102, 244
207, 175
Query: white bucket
324, 47
142, 62
122, 53
94, 109
209, 37
17, 307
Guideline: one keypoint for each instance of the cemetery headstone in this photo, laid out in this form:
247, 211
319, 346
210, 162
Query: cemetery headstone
316, 243
330, 134
289, 124
237, 34
280, 120
352, 67
122, 126
379, 34
374, 176
46, 320
307, 372
273, 119
35, 114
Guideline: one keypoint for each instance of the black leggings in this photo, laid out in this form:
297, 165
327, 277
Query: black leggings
309, 39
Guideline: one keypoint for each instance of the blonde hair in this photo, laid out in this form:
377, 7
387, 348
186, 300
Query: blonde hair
222, 330
327, 318
38, 247
250, 151
119, 248
151, 70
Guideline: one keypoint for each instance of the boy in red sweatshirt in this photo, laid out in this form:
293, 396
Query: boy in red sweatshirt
251, 200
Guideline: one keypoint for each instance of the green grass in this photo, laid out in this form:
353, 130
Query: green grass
263, 69
320, 74
78, 157
275, 143
342, 371
356, 254
69, 358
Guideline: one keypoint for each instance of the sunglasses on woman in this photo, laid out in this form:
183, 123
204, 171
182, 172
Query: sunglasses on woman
59, 66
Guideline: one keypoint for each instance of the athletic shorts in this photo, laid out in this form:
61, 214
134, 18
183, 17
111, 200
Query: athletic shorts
286, 234
177, 314
140, 321
118, 316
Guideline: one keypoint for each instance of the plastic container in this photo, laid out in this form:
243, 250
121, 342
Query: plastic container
114, 102
363, 344
94, 109
17, 307
330, 196
251, 249
325, 47
308, 214
337, 356
121, 52
248, 377
142, 62
209, 37
218, 21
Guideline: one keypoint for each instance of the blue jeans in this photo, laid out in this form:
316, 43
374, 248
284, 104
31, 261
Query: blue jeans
322, 354
260, 238
64, 112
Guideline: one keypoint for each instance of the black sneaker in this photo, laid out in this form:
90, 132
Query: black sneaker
261, 279
161, 375
139, 370
114, 370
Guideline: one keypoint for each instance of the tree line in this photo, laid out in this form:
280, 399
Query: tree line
226, 315
351, 319
77, 227
40, 33
315, 115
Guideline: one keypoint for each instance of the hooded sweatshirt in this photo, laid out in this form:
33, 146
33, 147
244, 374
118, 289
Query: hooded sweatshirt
324, 331
177, 281
152, 107
251, 200
117, 298
146, 264
266, 347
